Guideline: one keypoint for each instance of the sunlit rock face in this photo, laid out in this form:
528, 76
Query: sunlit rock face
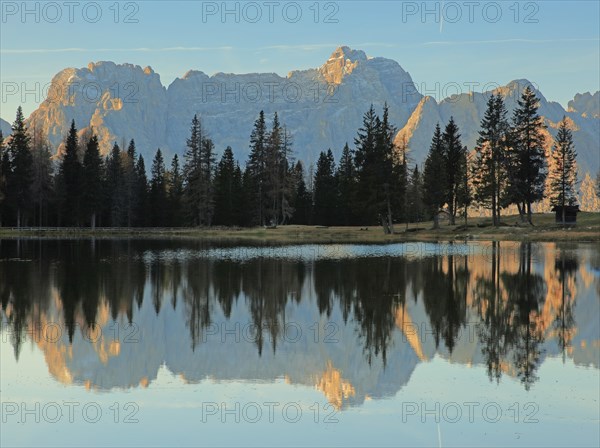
321, 107
468, 110
586, 104
118, 102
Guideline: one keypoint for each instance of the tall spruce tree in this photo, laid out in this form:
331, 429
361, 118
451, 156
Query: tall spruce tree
325, 190
113, 188
415, 212
228, 191
93, 173
528, 158
273, 172
346, 187
198, 175
377, 181
130, 182
42, 187
71, 179
142, 205
455, 166
490, 165
393, 169
368, 203
401, 180
256, 170
563, 169
19, 174
192, 172
207, 167
302, 199
175, 193
286, 175
434, 177
158, 191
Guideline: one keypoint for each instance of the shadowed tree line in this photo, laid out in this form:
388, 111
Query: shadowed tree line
372, 183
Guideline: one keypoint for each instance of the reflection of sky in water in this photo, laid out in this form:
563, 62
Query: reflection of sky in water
310, 252
391, 405
170, 411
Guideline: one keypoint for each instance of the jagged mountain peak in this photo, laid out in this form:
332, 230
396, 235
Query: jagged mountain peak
322, 107
516, 87
342, 62
586, 104
344, 52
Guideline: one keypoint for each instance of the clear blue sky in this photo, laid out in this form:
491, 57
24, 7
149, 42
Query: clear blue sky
553, 43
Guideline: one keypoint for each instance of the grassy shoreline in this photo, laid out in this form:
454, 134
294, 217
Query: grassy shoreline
587, 230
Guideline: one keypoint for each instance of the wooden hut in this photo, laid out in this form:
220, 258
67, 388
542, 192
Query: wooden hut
570, 214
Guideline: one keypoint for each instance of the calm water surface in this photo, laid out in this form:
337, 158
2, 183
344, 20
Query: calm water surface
161, 343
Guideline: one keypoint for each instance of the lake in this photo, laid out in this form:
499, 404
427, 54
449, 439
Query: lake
111, 342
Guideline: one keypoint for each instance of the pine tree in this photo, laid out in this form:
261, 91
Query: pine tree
288, 182
528, 158
377, 180
393, 170
175, 193
367, 204
563, 169
198, 175
71, 179
142, 206
302, 198
192, 172
256, 169
273, 166
113, 188
454, 162
20, 169
346, 184
93, 173
325, 190
489, 168
130, 182
434, 177
415, 212
207, 165
158, 191
42, 188
228, 191
400, 182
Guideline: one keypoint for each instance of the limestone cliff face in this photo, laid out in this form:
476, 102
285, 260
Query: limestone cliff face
468, 110
119, 102
321, 107
586, 104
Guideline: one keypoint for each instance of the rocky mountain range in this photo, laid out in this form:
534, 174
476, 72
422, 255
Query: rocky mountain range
321, 107
4, 127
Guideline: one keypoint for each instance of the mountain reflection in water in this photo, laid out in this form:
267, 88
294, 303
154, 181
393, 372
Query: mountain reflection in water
352, 321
